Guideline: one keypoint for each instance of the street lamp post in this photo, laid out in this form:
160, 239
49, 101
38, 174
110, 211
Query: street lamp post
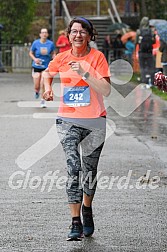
53, 7
1, 64
98, 8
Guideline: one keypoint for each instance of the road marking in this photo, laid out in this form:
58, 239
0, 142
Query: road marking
17, 116
36, 104
44, 115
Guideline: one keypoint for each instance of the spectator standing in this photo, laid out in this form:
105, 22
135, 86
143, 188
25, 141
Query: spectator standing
118, 47
130, 46
163, 49
41, 52
145, 38
107, 45
62, 42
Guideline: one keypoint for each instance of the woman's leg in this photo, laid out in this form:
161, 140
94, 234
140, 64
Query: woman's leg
37, 80
42, 85
92, 146
43, 104
89, 168
75, 209
91, 150
70, 138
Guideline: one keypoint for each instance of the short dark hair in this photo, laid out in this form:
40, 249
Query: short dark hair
86, 24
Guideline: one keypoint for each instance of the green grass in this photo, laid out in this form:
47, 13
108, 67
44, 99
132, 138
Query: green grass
155, 90
134, 78
160, 93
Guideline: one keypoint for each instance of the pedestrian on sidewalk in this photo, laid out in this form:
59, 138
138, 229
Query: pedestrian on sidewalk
41, 52
81, 119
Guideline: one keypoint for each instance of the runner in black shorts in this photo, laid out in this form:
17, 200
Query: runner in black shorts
41, 52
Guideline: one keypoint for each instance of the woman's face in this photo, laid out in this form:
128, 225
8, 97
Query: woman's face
44, 34
79, 37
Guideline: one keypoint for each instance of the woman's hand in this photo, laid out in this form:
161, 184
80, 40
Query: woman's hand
100, 85
76, 66
48, 95
37, 61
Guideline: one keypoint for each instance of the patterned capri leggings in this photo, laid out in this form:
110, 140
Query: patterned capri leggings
81, 168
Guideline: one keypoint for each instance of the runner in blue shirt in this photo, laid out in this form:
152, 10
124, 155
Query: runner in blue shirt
41, 52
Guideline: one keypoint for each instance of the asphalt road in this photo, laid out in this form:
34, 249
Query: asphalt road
130, 203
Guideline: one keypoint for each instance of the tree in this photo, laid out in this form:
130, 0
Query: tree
16, 17
152, 8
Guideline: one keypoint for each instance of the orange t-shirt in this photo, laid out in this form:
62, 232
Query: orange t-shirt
94, 63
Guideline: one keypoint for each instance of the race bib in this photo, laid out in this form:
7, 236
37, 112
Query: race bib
76, 96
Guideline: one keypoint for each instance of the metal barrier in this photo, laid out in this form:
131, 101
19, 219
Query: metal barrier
15, 58
5, 57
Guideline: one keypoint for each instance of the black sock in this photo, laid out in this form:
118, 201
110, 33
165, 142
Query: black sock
77, 219
87, 209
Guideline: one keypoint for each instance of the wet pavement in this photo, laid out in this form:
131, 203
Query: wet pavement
130, 203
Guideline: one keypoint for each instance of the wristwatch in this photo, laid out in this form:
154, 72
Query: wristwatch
85, 76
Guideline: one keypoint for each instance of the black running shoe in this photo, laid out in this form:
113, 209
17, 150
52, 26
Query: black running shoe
88, 224
76, 233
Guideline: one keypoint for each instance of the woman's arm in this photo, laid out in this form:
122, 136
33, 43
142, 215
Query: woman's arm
101, 86
48, 78
36, 60
53, 54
